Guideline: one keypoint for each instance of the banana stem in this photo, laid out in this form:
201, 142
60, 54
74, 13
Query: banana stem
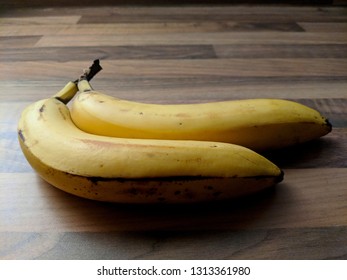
67, 92
70, 89
91, 72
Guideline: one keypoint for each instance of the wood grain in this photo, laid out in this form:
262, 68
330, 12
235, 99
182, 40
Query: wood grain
193, 38
189, 89
16, 27
206, 51
180, 68
179, 54
54, 3
272, 244
281, 51
22, 41
324, 26
112, 53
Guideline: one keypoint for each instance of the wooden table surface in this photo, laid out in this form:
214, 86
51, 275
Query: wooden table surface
180, 55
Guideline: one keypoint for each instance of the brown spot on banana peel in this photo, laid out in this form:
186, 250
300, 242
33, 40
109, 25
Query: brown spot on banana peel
21, 135
42, 108
62, 113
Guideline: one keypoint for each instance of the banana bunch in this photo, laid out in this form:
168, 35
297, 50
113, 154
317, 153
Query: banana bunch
106, 149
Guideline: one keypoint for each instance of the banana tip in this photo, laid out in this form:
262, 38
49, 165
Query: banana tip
329, 125
280, 177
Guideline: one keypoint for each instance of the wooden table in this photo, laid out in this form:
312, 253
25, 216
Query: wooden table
180, 55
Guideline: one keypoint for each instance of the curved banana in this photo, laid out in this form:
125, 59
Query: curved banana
258, 124
135, 170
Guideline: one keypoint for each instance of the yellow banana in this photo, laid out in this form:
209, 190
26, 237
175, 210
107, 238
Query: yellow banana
135, 170
258, 124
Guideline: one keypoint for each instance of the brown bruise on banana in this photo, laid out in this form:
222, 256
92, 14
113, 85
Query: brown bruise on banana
21, 135
22, 139
42, 108
62, 113
185, 189
41, 115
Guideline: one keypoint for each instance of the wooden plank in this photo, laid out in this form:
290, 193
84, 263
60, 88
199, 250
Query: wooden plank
302, 200
229, 67
334, 109
40, 70
193, 38
213, 88
11, 157
276, 14
61, 54
40, 20
176, 52
145, 28
245, 26
19, 41
322, 153
178, 27
179, 68
262, 11
296, 244
189, 89
24, 30
329, 27
206, 25
58, 3
257, 12
282, 51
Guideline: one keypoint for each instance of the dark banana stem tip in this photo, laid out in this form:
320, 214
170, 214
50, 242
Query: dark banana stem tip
91, 72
